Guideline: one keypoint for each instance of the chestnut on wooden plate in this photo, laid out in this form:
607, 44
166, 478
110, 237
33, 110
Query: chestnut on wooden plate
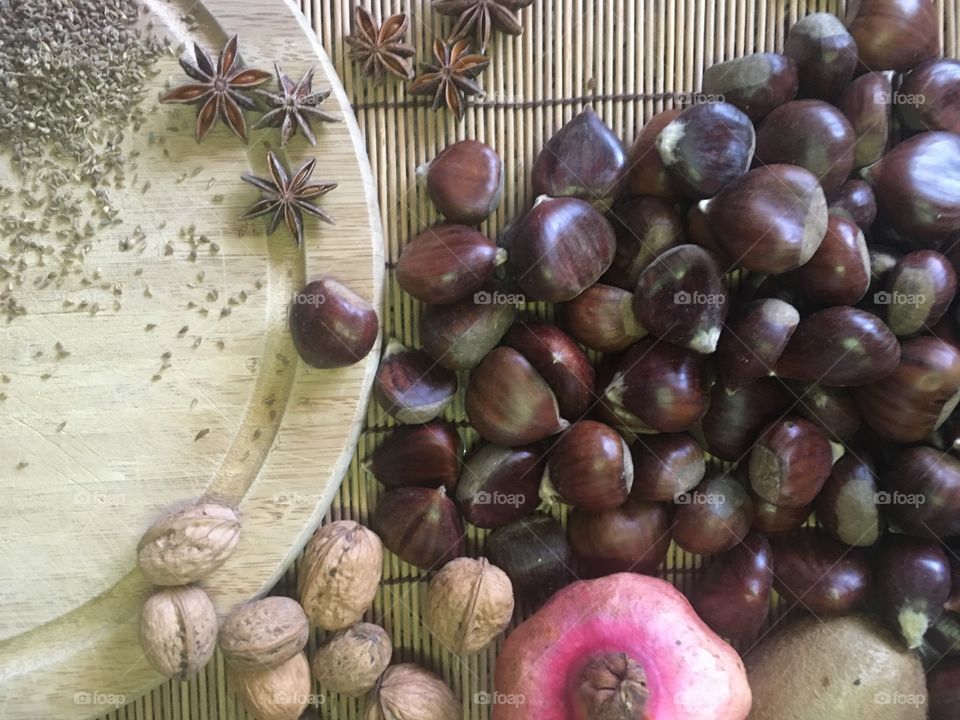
331, 326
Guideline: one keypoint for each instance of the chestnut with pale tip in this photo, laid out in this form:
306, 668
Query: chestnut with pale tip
332, 326
713, 517
931, 97
832, 409
773, 519
918, 292
465, 181
894, 34
646, 174
590, 466
665, 466
855, 201
925, 482
602, 318
847, 505
735, 418
751, 344
645, 228
755, 84
422, 526
825, 53
633, 537
868, 104
459, 335
426, 455
411, 386
499, 484
790, 462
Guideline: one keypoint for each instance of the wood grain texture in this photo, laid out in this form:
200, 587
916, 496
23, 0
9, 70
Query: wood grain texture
230, 413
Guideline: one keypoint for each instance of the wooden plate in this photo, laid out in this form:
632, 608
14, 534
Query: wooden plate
103, 432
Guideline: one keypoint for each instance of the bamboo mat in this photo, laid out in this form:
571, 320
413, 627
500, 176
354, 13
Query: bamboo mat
626, 58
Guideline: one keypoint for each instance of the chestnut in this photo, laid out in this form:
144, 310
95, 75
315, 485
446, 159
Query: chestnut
459, 335
500, 484
914, 400
425, 455
790, 462
447, 263
847, 505
840, 346
699, 232
633, 537
930, 97
751, 345
645, 227
882, 262
665, 466
420, 525
825, 53
589, 467
736, 417
820, 574
773, 519
812, 134
583, 159
602, 318
868, 104
713, 517
755, 84
832, 409
509, 403
410, 386
921, 492
534, 553
560, 248
680, 298
894, 34
918, 292
465, 181
646, 174
855, 201
771, 220
331, 326
706, 147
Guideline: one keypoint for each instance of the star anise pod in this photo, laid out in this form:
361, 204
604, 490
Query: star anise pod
218, 89
452, 77
380, 49
480, 18
287, 197
294, 106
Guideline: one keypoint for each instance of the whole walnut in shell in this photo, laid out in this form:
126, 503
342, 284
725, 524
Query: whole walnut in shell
264, 633
408, 692
188, 544
351, 662
178, 631
469, 603
340, 574
280, 693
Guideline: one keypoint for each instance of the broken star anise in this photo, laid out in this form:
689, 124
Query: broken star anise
287, 197
380, 49
294, 106
479, 18
218, 89
452, 77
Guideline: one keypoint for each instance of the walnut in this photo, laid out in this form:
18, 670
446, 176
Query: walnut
469, 603
407, 691
264, 633
188, 544
280, 693
340, 574
351, 662
178, 631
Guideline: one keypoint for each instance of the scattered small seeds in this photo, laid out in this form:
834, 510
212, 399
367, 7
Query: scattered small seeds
201, 434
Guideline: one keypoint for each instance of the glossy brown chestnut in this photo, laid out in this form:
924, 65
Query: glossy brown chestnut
560, 248
700, 232
839, 271
331, 326
847, 506
732, 595
773, 519
840, 346
855, 201
666, 466
943, 688
771, 220
534, 553
914, 400
425, 455
811, 134
459, 335
465, 182
509, 403
751, 345
583, 159
918, 292
602, 318
421, 525
646, 174
832, 409
559, 361
825, 53
634, 537
755, 84
713, 517
447, 263
680, 298
820, 574
921, 492
706, 147
790, 462
663, 385
645, 228
500, 484
867, 103
410, 386
589, 467
929, 97
894, 34
918, 187
736, 418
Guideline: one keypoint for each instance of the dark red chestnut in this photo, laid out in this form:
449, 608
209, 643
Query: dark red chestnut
589, 467
790, 462
943, 689
756, 84
666, 466
560, 248
930, 97
894, 34
922, 492
832, 409
771, 220
419, 455
773, 519
459, 335
751, 345
421, 525
645, 228
735, 419
534, 553
634, 537
713, 517
706, 147
447, 263
410, 386
646, 174
825, 53
700, 232
847, 505
812, 134
918, 292
583, 159
331, 326
465, 182
839, 271
820, 574
868, 104
602, 318
855, 201
500, 484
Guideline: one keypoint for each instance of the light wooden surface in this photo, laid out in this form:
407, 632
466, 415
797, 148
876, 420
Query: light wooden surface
235, 415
